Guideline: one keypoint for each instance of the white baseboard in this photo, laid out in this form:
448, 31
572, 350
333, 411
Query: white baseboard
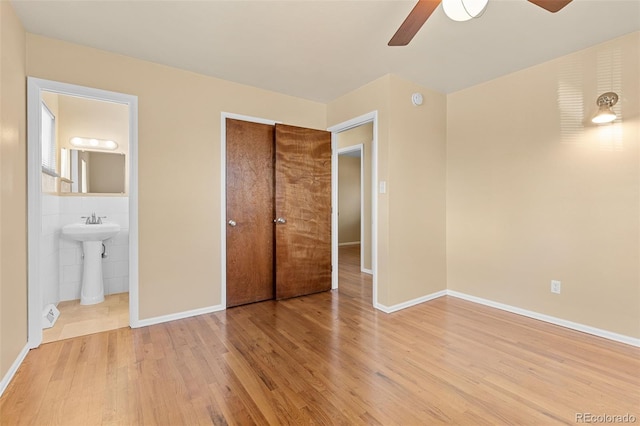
515, 310
177, 316
352, 243
366, 271
13, 369
547, 318
387, 309
410, 303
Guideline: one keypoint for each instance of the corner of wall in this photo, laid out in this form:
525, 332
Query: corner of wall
543, 194
13, 232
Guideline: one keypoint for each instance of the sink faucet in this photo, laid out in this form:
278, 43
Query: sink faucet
93, 219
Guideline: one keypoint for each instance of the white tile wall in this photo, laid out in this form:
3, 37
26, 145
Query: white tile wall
115, 266
61, 259
49, 241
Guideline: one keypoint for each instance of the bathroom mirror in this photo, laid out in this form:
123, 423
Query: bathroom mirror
92, 172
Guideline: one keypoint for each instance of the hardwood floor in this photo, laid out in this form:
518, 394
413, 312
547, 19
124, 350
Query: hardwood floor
329, 358
79, 320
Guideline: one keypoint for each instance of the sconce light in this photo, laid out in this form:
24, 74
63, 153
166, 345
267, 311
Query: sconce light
605, 113
463, 10
93, 143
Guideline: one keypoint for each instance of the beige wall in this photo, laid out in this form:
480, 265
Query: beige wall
363, 135
348, 199
106, 172
417, 192
411, 160
179, 161
536, 192
13, 189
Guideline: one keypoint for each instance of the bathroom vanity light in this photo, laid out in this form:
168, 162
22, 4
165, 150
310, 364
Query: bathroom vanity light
463, 10
605, 113
93, 143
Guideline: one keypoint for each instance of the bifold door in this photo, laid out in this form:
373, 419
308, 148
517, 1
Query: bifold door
278, 211
250, 209
303, 203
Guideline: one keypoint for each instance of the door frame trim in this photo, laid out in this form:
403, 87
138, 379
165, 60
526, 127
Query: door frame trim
223, 193
35, 87
371, 117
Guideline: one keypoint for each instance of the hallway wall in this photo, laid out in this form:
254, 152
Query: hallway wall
349, 199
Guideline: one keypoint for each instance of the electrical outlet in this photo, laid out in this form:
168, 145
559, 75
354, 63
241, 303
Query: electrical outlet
555, 286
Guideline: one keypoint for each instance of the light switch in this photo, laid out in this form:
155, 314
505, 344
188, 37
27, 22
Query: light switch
383, 187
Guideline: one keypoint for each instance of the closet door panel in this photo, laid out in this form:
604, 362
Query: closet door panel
303, 203
250, 210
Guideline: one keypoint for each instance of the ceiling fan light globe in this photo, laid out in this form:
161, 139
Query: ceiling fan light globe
463, 10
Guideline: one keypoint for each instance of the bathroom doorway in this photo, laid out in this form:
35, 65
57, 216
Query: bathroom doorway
82, 159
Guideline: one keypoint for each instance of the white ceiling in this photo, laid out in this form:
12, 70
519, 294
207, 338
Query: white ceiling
320, 50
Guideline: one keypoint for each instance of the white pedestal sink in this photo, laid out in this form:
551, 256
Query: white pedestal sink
91, 236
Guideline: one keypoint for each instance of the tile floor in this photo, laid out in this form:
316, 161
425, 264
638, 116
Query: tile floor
78, 320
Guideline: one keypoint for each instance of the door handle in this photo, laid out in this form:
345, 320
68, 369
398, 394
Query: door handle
280, 220
232, 222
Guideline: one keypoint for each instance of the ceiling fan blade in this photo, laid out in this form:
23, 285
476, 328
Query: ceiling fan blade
551, 5
412, 24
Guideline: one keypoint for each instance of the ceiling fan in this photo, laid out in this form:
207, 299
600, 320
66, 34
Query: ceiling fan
421, 12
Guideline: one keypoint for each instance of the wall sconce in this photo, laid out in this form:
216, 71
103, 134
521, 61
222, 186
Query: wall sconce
605, 113
93, 143
463, 10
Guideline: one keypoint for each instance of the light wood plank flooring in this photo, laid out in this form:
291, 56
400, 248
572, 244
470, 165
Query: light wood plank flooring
329, 358
79, 320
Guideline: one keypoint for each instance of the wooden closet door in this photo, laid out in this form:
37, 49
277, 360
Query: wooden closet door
250, 212
303, 202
